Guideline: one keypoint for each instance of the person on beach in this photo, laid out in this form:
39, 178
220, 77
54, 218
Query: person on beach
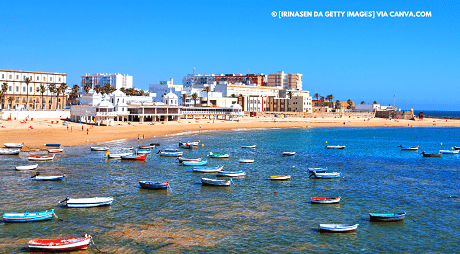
87, 131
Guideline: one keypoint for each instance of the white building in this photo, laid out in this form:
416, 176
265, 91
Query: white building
158, 91
292, 81
117, 80
229, 90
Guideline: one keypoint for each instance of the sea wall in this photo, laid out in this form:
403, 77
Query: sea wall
408, 115
23, 114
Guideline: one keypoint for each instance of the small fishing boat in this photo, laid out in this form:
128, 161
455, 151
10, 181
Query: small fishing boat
280, 177
194, 163
186, 145
182, 159
246, 160
155, 144
318, 170
26, 167
408, 148
457, 147
316, 200
27, 217
7, 151
250, 146
134, 157
154, 185
117, 155
41, 157
87, 202
13, 145
314, 174
215, 182
171, 150
99, 148
53, 145
288, 153
143, 151
170, 154
201, 169
449, 151
63, 244
231, 173
431, 154
127, 148
387, 217
38, 177
145, 146
218, 155
335, 147
338, 228
56, 150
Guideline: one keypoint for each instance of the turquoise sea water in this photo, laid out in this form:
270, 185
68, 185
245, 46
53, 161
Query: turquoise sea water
255, 215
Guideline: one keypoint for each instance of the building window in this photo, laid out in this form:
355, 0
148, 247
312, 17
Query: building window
51, 79
38, 78
11, 76
44, 79
23, 89
10, 89
59, 79
30, 77
3, 75
31, 89
17, 76
17, 89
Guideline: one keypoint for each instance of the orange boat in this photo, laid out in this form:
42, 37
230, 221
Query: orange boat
65, 244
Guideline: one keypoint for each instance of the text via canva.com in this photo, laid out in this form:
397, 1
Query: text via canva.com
351, 14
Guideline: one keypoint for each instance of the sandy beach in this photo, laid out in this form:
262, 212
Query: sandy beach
34, 134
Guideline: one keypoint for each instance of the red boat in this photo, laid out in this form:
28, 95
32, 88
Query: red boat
134, 157
146, 146
325, 200
408, 148
65, 244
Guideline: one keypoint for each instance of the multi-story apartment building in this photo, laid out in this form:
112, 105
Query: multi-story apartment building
232, 90
203, 79
291, 81
15, 89
116, 80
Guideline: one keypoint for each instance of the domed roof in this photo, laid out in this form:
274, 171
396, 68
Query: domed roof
236, 106
121, 104
105, 104
171, 95
118, 93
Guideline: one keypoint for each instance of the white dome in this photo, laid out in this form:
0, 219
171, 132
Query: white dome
171, 95
121, 104
118, 93
236, 106
105, 104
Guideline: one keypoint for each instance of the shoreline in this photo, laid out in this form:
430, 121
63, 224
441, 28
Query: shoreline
34, 134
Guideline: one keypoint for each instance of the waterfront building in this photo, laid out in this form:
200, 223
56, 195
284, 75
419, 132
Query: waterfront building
158, 91
117, 80
205, 79
17, 89
292, 81
253, 103
233, 90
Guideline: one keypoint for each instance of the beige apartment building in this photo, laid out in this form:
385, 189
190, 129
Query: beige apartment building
15, 91
288, 81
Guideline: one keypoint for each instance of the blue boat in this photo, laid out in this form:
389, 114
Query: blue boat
387, 217
318, 170
27, 217
53, 145
194, 163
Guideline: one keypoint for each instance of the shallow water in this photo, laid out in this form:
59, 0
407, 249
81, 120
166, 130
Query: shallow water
254, 215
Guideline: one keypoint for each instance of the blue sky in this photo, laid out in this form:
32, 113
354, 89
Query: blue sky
418, 59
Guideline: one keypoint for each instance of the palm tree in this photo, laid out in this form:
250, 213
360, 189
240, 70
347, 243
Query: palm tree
194, 97
123, 90
207, 90
42, 90
98, 88
349, 104
337, 104
330, 97
316, 96
4, 90
61, 90
74, 93
10, 100
362, 103
290, 94
375, 102
27, 81
52, 88
183, 97
87, 87
322, 101
108, 88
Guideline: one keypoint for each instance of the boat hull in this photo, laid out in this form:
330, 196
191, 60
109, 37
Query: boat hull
99, 149
207, 169
280, 177
337, 228
288, 153
134, 157
7, 151
194, 163
246, 161
41, 158
214, 182
389, 217
154, 185
88, 202
324, 175
13, 145
27, 167
316, 200
49, 178
230, 173
28, 217
335, 147
67, 244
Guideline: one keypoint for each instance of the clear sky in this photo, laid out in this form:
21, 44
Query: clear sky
418, 59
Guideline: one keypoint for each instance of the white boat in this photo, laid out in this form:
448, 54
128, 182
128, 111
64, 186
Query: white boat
143, 151
56, 150
449, 151
288, 153
26, 167
215, 182
87, 202
246, 161
170, 154
62, 244
41, 157
38, 177
15, 151
338, 228
117, 155
280, 177
250, 146
319, 200
314, 174
13, 145
335, 147
99, 148
231, 173
182, 159
218, 155
204, 169
127, 148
